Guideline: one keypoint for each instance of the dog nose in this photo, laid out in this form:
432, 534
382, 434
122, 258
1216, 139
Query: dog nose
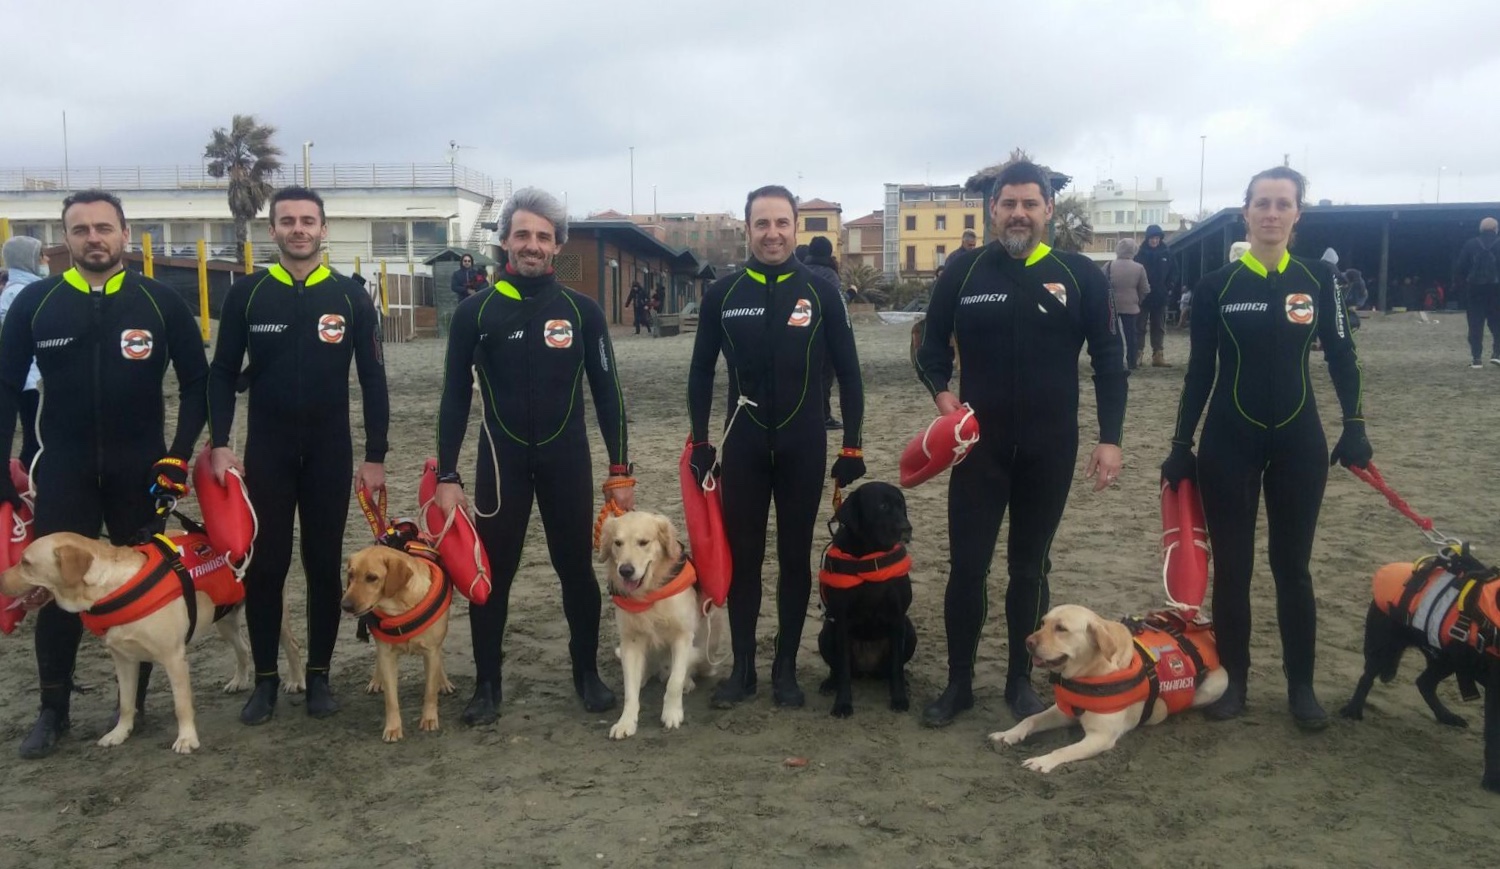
347, 605
627, 571
1031, 643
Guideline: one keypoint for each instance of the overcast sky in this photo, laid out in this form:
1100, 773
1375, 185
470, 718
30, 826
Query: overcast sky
833, 99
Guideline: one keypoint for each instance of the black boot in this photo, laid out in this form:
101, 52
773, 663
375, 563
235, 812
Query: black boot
484, 706
1022, 698
1307, 712
320, 702
51, 724
143, 680
739, 687
785, 692
957, 697
595, 695
1232, 704
262, 703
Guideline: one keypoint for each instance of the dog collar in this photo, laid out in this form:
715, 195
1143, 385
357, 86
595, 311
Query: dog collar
686, 578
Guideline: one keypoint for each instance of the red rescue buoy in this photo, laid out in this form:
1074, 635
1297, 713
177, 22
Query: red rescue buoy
457, 543
1184, 547
944, 443
703, 508
228, 516
17, 528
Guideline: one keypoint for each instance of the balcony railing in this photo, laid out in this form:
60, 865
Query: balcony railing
322, 176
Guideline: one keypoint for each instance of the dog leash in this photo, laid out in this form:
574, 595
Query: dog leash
609, 507
374, 510
1371, 475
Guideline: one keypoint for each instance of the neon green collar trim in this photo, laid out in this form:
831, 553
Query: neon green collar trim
319, 274
761, 279
1036, 256
505, 288
1259, 268
111, 285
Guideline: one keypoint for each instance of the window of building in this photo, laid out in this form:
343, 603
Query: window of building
942, 222
945, 195
708, 235
37, 231
911, 257
157, 231
968, 221
911, 223
1130, 217
428, 237
185, 237
940, 256
915, 195
815, 224
388, 238
693, 236
1119, 217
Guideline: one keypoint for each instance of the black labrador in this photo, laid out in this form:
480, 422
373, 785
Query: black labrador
866, 592
1388, 636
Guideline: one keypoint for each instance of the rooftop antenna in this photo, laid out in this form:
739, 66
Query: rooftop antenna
454, 148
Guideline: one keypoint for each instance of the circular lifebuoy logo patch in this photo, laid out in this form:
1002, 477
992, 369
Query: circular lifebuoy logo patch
1299, 308
558, 334
136, 344
801, 313
331, 328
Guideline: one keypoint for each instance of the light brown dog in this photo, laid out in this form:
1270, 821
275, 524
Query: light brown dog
671, 635
388, 583
78, 571
1076, 643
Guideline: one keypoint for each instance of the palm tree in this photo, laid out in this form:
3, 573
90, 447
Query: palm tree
1071, 229
862, 275
246, 156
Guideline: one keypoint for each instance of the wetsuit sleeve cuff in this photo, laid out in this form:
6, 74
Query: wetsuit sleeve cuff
375, 457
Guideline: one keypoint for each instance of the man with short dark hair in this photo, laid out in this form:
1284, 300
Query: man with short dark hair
1480, 272
467, 280
1161, 273
1021, 311
302, 326
102, 338
639, 302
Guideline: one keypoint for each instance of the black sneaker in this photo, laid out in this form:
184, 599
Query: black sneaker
1477, 363
50, 725
262, 703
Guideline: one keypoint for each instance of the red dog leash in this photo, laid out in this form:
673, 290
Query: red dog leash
374, 512
1371, 474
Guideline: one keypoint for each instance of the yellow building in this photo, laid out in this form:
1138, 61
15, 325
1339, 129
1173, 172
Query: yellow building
924, 225
817, 217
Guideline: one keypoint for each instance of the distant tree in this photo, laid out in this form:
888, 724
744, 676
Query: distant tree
246, 156
1071, 229
862, 275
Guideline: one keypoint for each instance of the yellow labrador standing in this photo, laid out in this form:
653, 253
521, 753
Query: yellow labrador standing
659, 615
1102, 657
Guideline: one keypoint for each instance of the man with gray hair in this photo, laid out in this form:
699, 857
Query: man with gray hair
1480, 272
27, 264
528, 338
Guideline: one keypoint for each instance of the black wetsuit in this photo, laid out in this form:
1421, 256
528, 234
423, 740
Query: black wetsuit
774, 325
299, 455
1019, 328
102, 356
533, 341
1252, 330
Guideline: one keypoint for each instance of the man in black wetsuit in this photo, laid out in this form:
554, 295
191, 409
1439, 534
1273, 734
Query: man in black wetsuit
302, 325
1020, 312
531, 342
774, 323
102, 337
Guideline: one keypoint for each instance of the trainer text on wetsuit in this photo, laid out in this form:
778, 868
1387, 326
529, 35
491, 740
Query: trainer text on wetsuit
1253, 322
775, 323
1020, 312
532, 341
302, 324
102, 337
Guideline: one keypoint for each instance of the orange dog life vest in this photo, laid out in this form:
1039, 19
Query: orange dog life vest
842, 570
1168, 661
1451, 598
175, 567
687, 577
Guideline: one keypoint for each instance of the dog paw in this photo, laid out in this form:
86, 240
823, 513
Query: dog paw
671, 719
294, 684
447, 687
393, 734
1452, 720
827, 687
429, 723
843, 709
1013, 736
623, 729
688, 685
185, 743
374, 687
1353, 712
114, 737
1041, 764
240, 682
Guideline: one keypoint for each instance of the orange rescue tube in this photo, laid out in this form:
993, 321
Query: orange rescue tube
458, 546
16, 525
1184, 547
944, 443
703, 508
228, 516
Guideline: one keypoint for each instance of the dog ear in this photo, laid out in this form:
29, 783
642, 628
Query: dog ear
73, 563
666, 535
606, 537
849, 514
1113, 641
398, 573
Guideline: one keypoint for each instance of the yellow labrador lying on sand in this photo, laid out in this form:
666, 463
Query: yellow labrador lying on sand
1107, 675
659, 614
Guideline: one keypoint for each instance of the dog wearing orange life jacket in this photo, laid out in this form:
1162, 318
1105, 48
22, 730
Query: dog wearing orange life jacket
403, 600
1112, 677
664, 622
865, 585
134, 598
1446, 606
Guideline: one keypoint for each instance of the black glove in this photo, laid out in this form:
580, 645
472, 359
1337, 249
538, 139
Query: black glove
1353, 449
169, 479
849, 466
702, 460
8, 491
1180, 465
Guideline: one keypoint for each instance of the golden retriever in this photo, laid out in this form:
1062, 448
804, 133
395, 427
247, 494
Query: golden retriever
78, 571
1076, 643
385, 581
642, 554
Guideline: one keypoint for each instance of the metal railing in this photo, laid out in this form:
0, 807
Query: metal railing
321, 175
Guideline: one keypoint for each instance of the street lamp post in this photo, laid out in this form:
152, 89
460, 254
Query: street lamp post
1440, 183
632, 180
306, 164
1202, 156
